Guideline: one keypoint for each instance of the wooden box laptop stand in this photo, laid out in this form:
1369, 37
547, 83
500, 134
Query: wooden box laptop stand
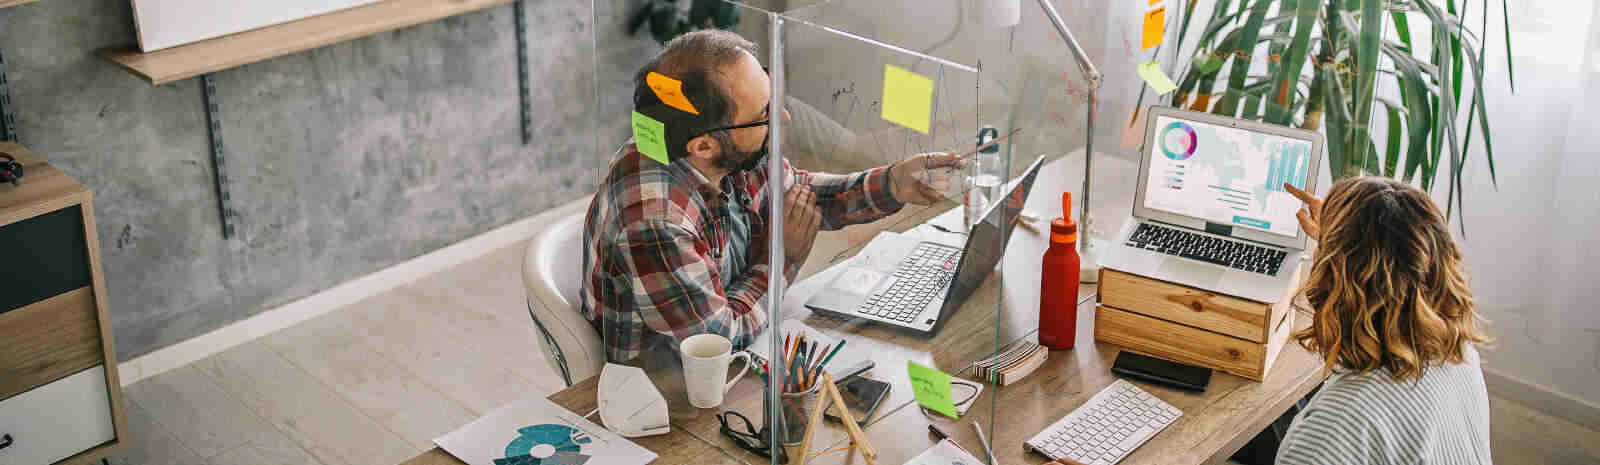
1193, 326
60, 401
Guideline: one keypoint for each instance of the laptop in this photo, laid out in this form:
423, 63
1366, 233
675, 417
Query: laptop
914, 284
1210, 210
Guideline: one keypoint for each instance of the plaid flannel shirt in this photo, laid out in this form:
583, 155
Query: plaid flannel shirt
667, 255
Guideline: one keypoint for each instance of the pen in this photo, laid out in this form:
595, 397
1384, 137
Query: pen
990, 144
811, 368
983, 441
938, 433
816, 365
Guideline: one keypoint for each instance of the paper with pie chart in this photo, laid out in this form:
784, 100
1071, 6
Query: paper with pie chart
535, 431
1226, 175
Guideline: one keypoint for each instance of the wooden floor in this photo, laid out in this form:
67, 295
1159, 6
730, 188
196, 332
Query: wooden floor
374, 383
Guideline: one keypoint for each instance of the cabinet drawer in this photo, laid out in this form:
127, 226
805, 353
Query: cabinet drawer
57, 420
49, 340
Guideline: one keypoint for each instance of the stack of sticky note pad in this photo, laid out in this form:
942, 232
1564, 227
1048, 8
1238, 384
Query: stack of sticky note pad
1012, 364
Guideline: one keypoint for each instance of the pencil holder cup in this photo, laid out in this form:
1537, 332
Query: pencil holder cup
796, 414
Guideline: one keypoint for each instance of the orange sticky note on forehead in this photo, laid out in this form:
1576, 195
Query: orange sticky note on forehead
670, 91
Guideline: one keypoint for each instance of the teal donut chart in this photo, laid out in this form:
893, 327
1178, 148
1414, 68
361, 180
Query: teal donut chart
1173, 138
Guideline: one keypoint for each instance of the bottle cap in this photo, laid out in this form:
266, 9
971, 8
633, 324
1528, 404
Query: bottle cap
1063, 229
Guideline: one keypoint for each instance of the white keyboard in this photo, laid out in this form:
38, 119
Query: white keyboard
1107, 428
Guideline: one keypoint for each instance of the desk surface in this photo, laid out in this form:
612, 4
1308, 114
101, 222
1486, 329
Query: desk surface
1214, 425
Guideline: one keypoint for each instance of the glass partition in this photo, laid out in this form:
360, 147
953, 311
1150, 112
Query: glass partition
899, 238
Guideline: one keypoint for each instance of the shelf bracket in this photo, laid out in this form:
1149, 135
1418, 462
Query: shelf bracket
524, 105
208, 96
8, 116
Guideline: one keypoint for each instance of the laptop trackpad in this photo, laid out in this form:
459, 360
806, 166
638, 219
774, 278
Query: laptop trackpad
857, 281
1194, 274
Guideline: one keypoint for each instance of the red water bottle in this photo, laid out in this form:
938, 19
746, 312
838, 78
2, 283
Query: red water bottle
1058, 285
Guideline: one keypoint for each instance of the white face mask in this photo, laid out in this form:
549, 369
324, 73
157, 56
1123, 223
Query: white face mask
630, 405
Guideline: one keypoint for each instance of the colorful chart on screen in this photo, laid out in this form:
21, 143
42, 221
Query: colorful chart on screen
1227, 175
1178, 140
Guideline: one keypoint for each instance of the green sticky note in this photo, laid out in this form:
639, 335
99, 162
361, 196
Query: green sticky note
1158, 80
933, 388
650, 136
907, 98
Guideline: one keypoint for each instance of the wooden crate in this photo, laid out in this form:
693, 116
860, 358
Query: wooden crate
1193, 326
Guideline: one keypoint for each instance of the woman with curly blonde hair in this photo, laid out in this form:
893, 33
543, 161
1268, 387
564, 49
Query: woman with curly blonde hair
1394, 321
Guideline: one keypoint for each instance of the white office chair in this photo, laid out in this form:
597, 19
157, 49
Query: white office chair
552, 272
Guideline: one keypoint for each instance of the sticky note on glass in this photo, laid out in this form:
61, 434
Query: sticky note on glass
1155, 27
1158, 80
670, 91
650, 136
907, 98
932, 388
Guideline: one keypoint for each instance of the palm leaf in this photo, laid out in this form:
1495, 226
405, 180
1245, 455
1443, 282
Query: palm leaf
1244, 47
1288, 76
1510, 75
1391, 158
1370, 39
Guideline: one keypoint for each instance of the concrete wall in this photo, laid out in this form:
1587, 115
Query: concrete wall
344, 159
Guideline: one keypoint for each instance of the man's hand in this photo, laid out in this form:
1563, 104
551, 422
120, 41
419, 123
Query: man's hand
800, 223
915, 180
1310, 216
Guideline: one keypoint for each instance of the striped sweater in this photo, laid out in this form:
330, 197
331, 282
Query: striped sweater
1370, 419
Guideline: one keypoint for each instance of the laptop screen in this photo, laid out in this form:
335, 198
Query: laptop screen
1226, 175
986, 242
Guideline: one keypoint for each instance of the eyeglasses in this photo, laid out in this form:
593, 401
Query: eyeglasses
749, 439
739, 126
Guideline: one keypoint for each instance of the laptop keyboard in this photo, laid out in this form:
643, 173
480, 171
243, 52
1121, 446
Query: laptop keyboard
921, 277
1232, 254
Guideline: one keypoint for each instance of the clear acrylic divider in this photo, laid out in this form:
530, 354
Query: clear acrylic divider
863, 99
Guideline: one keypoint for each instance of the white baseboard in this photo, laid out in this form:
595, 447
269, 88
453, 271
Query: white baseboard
1544, 399
339, 296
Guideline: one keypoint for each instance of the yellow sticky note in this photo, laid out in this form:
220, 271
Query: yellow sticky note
907, 98
932, 388
1155, 27
650, 137
1158, 80
670, 91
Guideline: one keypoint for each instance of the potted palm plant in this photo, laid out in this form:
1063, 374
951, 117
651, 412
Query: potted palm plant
1322, 62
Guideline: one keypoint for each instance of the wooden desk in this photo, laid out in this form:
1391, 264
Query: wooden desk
1005, 309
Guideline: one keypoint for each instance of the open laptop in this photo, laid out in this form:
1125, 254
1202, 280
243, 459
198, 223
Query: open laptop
1210, 210
902, 282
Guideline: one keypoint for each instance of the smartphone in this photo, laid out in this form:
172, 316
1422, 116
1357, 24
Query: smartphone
1163, 372
862, 395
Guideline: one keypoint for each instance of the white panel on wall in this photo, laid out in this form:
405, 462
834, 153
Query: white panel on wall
170, 23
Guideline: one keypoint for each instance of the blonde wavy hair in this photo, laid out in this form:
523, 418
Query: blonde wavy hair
1387, 285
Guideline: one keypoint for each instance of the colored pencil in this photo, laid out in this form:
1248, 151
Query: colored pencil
835, 351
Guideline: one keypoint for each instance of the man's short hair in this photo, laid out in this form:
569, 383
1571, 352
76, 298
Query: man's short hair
697, 60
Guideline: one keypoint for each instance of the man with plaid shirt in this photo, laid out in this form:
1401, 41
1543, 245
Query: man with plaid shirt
676, 249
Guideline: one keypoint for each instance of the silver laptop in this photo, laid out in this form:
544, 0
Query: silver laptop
915, 284
1210, 210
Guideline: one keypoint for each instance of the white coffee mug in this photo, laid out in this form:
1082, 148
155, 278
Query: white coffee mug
705, 366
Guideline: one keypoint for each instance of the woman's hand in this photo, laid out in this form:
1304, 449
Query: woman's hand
1311, 215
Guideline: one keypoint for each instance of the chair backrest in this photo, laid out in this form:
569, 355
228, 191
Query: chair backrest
552, 273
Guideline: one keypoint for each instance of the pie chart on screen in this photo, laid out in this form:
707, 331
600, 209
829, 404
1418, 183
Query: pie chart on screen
1178, 141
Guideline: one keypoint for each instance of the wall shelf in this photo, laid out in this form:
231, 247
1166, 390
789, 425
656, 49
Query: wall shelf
234, 50
6, 3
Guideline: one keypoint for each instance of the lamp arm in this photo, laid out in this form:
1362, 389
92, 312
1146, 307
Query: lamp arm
1092, 74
